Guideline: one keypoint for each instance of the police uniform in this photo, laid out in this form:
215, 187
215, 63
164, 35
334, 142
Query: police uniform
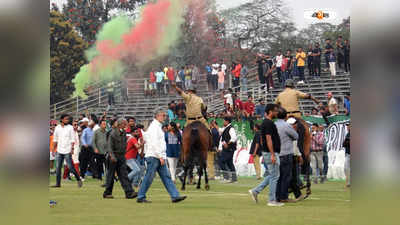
194, 107
288, 99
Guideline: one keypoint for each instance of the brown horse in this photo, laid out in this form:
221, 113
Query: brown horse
303, 130
196, 142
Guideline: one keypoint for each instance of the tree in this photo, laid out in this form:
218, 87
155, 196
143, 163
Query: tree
257, 25
89, 15
66, 56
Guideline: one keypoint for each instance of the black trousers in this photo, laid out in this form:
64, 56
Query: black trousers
279, 73
327, 61
294, 185
86, 159
226, 164
317, 67
301, 72
120, 167
310, 67
236, 83
347, 63
285, 177
340, 60
99, 160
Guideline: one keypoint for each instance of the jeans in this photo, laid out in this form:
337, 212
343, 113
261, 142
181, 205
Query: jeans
325, 160
120, 167
285, 171
153, 166
236, 83
134, 175
244, 84
279, 73
60, 160
188, 83
272, 176
316, 162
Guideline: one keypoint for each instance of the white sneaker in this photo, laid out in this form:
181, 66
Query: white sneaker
300, 82
275, 203
254, 195
82, 179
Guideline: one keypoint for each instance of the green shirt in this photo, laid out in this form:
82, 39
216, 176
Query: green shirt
100, 141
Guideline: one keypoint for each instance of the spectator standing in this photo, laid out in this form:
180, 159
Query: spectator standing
159, 80
221, 79
110, 93
236, 74
340, 53
117, 142
214, 73
223, 65
316, 55
261, 70
171, 78
317, 144
332, 63
228, 97
170, 111
155, 156
132, 149
255, 150
300, 57
278, 64
188, 77
100, 147
332, 104
173, 140
289, 58
87, 153
346, 50
270, 149
64, 141
227, 147
152, 81
75, 155
124, 90
310, 60
195, 74
209, 76
328, 50
243, 74
211, 154
287, 135
268, 72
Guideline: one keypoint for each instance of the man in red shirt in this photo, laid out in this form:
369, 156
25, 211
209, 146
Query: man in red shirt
132, 149
171, 78
236, 73
152, 83
249, 107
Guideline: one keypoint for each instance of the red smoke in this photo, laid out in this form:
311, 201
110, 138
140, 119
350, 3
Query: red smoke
144, 38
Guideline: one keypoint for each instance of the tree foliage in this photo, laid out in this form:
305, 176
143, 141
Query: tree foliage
87, 16
66, 56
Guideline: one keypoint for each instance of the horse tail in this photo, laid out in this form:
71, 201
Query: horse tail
194, 137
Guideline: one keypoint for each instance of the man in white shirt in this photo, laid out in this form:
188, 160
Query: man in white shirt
227, 147
223, 66
64, 140
228, 97
214, 75
155, 157
278, 64
332, 104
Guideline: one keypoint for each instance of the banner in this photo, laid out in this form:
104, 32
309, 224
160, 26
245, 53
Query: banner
335, 134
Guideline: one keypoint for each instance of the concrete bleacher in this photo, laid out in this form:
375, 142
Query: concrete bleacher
142, 107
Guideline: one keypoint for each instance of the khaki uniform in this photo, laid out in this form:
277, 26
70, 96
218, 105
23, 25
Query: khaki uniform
289, 100
194, 106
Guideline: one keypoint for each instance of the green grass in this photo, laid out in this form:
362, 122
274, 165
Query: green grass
224, 204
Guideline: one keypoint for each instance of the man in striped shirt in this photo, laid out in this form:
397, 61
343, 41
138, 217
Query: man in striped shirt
317, 144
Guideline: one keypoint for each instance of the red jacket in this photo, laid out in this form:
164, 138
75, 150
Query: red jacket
170, 74
237, 70
249, 107
152, 77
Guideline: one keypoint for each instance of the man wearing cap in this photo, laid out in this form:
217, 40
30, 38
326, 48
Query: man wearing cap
194, 106
332, 104
289, 99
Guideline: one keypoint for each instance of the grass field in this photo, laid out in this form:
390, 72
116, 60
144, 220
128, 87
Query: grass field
224, 204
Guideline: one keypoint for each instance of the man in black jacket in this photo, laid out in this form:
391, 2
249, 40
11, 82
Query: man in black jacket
117, 162
227, 147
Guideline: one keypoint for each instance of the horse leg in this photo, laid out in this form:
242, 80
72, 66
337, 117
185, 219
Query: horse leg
185, 168
207, 187
200, 172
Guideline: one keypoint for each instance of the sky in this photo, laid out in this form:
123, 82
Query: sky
296, 8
